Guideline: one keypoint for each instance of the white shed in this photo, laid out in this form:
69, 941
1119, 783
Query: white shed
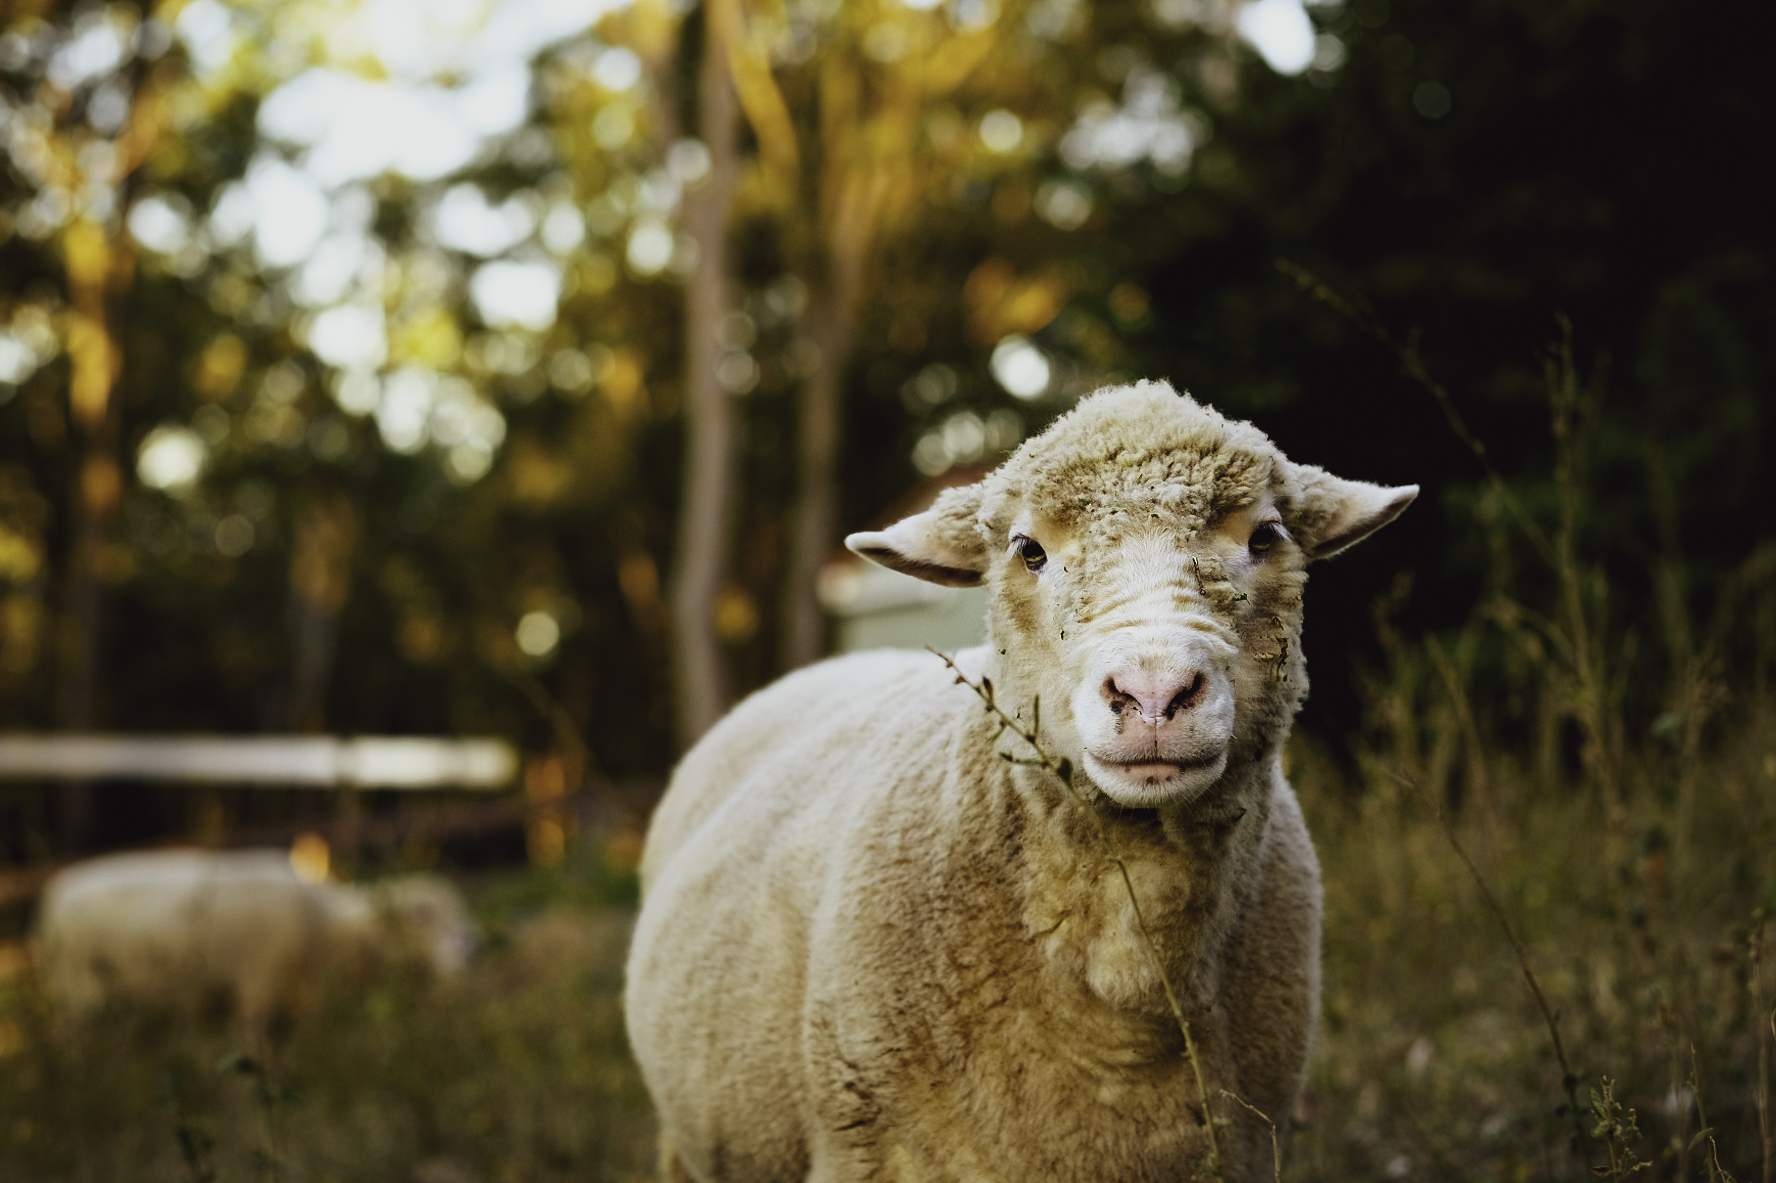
875, 608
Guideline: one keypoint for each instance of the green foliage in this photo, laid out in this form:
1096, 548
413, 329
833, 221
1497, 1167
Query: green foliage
1570, 174
1619, 1132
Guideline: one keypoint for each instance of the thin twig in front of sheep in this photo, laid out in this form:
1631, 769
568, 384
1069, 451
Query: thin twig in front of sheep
1276, 1150
1569, 1080
1063, 770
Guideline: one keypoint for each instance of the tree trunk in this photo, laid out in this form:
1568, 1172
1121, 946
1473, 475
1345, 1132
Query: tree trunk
853, 204
815, 512
92, 263
320, 581
706, 508
99, 268
95, 502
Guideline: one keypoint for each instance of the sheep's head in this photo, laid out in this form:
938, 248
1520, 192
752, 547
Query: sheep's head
424, 918
1145, 558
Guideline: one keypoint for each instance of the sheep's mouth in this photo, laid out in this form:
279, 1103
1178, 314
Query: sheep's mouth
1157, 772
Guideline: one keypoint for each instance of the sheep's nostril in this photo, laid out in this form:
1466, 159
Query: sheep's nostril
1186, 698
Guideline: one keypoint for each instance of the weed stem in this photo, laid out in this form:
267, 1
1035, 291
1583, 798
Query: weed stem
1568, 1079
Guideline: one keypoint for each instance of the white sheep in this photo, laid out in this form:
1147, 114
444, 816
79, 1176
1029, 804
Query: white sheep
871, 948
236, 931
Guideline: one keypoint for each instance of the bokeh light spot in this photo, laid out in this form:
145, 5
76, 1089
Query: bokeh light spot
171, 459
1021, 368
538, 633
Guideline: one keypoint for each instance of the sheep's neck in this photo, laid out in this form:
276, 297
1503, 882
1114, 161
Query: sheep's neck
1189, 870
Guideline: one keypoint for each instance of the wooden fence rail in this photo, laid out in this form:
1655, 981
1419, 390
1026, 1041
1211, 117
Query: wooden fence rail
365, 762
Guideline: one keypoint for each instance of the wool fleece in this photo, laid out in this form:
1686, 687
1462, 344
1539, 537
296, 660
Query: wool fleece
872, 947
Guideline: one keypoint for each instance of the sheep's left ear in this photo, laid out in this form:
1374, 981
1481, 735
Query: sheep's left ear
1337, 513
942, 545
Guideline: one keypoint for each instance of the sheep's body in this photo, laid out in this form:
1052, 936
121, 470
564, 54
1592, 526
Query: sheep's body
235, 931
877, 922
870, 948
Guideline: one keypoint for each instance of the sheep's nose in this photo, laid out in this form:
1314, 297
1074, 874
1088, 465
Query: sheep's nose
1155, 696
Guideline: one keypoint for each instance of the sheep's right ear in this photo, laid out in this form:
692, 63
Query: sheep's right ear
942, 545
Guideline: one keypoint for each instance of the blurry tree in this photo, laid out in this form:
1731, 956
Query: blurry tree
870, 125
87, 99
869, 77
435, 336
312, 363
702, 684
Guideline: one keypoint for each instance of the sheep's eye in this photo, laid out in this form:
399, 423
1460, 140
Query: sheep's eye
1265, 537
1031, 552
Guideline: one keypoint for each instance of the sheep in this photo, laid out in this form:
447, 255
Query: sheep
873, 946
186, 931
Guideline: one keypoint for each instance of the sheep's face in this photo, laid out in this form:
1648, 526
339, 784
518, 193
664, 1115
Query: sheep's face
1146, 559
1173, 649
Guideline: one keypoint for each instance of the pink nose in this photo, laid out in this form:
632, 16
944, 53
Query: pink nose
1156, 696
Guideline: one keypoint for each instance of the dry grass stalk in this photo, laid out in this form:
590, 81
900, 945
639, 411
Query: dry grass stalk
1766, 1018
1716, 1172
1359, 313
1479, 783
1569, 1080
1591, 683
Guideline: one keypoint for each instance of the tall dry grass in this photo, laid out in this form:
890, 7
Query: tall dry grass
1434, 1061
1611, 767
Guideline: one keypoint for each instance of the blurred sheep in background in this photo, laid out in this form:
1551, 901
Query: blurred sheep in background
243, 933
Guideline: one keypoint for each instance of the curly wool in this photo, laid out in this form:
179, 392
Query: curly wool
1127, 453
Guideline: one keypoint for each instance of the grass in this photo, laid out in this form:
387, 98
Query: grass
1434, 1060
1433, 1063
